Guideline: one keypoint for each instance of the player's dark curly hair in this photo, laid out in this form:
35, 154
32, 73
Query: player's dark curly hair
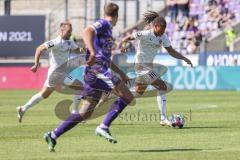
155, 18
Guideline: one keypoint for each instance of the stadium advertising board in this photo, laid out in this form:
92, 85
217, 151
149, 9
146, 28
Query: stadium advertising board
20, 35
21, 78
204, 78
197, 78
220, 59
182, 78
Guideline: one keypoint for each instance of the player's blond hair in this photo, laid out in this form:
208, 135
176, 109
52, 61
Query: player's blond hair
65, 23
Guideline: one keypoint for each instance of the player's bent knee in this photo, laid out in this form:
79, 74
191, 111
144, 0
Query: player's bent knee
140, 89
45, 95
128, 98
169, 87
46, 92
87, 108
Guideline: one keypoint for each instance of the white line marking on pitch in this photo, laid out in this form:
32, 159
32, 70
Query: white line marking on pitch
203, 106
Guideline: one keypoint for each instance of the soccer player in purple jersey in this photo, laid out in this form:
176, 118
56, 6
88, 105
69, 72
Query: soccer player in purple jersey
98, 78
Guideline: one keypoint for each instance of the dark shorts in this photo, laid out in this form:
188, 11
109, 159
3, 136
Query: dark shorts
98, 82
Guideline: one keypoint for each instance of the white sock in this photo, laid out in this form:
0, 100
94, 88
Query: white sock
161, 100
34, 100
53, 136
76, 102
103, 126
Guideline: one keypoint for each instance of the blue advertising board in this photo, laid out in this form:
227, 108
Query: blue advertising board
220, 59
197, 78
204, 78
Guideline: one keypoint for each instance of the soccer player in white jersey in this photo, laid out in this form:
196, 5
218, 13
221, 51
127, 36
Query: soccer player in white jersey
149, 42
59, 49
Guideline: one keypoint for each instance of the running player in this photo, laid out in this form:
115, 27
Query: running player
59, 51
98, 78
149, 42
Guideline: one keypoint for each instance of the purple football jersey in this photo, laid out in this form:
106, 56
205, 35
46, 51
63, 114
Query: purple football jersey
103, 42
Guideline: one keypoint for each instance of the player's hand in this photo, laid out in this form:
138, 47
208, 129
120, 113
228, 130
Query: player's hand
123, 50
91, 60
188, 62
34, 68
125, 46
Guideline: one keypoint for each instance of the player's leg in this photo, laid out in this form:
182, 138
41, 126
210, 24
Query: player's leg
140, 88
76, 103
85, 112
43, 94
161, 100
75, 84
125, 98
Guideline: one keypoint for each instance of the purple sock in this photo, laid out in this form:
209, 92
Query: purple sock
115, 110
68, 124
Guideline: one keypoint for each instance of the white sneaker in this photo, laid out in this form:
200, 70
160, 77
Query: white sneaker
165, 122
106, 134
20, 113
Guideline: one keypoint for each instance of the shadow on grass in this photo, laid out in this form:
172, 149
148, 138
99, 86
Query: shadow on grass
166, 150
204, 127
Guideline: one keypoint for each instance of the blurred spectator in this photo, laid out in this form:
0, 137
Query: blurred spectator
172, 8
183, 6
176, 6
205, 19
191, 21
230, 36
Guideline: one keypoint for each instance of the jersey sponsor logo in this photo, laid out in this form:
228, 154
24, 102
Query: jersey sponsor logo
50, 44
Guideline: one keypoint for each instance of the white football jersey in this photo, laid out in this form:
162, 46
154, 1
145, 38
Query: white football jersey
59, 51
148, 45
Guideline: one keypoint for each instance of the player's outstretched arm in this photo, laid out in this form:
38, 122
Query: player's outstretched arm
128, 38
124, 43
178, 55
40, 49
88, 36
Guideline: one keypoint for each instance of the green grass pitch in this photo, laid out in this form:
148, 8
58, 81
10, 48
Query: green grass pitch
212, 134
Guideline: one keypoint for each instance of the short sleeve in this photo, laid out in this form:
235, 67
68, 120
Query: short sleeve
51, 44
140, 34
74, 45
100, 26
165, 41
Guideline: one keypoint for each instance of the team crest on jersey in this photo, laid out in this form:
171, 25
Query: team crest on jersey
68, 43
97, 25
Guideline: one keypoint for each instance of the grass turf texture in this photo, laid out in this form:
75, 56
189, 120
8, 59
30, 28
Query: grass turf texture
213, 132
